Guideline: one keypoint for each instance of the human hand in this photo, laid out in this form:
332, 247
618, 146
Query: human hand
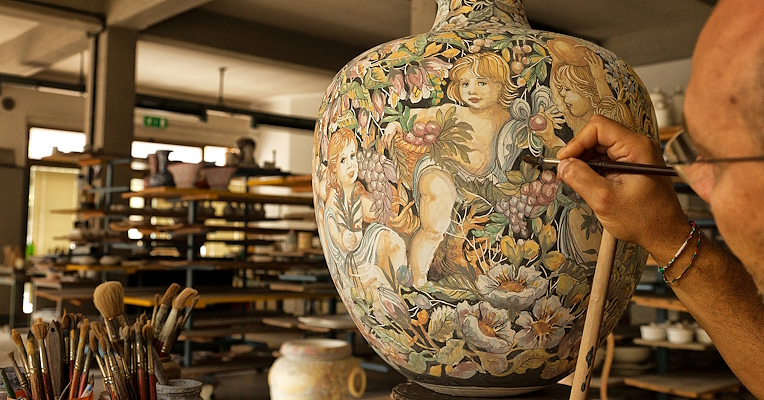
596, 66
350, 239
636, 208
388, 134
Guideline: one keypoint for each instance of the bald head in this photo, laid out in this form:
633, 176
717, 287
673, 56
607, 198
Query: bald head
728, 66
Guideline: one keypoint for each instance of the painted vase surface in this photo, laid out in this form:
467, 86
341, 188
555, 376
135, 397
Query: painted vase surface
466, 268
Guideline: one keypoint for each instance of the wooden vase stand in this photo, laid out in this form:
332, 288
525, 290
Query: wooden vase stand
413, 391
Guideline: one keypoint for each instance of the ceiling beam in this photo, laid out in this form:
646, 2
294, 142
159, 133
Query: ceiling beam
141, 14
39, 48
198, 29
51, 15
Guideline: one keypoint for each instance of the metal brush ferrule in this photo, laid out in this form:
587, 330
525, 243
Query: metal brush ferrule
114, 328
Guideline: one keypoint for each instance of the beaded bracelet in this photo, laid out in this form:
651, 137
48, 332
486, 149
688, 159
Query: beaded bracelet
697, 246
694, 227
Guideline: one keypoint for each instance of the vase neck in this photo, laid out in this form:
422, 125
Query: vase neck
458, 14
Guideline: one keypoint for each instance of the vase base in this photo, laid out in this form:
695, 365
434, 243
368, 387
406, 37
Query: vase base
411, 391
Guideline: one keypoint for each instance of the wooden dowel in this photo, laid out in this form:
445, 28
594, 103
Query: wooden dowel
593, 322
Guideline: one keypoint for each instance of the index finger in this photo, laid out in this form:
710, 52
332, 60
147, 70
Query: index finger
602, 135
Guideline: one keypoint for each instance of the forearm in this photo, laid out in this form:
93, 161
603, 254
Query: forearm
720, 294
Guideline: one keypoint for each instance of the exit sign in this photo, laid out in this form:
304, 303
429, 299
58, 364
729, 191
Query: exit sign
154, 122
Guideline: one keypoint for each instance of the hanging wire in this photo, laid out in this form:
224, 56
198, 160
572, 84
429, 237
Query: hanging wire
220, 89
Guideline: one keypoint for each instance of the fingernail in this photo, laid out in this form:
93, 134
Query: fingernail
561, 150
561, 167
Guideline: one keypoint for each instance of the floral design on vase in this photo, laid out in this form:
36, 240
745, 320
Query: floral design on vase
467, 269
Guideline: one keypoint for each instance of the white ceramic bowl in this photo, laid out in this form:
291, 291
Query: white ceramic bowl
680, 334
702, 336
631, 354
653, 332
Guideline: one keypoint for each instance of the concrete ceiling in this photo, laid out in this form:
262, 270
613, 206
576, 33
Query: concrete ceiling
272, 49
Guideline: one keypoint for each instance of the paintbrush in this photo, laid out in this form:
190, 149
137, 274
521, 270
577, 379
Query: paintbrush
158, 367
142, 386
109, 300
167, 345
108, 380
169, 326
607, 166
83, 337
164, 307
72, 350
128, 354
65, 329
40, 332
148, 336
85, 374
20, 347
7, 384
123, 387
157, 299
22, 377
35, 381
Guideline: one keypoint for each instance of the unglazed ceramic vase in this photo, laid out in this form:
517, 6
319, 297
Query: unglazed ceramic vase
466, 268
160, 175
316, 369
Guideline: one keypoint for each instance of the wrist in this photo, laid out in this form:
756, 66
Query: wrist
663, 248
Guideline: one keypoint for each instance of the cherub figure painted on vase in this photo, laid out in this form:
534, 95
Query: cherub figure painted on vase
579, 86
482, 90
360, 249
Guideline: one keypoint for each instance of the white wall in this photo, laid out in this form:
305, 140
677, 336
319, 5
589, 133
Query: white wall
667, 76
37, 108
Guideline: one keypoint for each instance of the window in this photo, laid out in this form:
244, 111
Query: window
42, 142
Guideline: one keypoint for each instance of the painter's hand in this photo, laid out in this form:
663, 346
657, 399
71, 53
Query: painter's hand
636, 208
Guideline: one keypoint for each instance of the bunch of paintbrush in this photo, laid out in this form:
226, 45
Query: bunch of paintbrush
176, 320
128, 355
42, 370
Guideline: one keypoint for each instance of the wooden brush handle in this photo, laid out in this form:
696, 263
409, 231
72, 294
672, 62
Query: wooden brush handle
83, 383
142, 384
38, 393
152, 387
48, 386
74, 384
71, 370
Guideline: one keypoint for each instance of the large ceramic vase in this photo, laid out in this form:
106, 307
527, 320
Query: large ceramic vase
466, 268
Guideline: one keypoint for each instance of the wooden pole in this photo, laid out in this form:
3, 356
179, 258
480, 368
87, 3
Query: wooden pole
593, 322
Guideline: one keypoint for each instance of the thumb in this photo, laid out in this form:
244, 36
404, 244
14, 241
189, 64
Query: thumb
595, 189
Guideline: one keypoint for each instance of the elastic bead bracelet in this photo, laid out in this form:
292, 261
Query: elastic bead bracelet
697, 246
694, 227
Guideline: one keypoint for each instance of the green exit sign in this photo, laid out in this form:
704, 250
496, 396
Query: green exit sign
154, 122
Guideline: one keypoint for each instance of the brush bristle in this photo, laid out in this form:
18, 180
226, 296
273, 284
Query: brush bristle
170, 293
93, 342
84, 328
109, 299
30, 347
148, 333
65, 320
16, 337
186, 294
12, 356
100, 333
40, 330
